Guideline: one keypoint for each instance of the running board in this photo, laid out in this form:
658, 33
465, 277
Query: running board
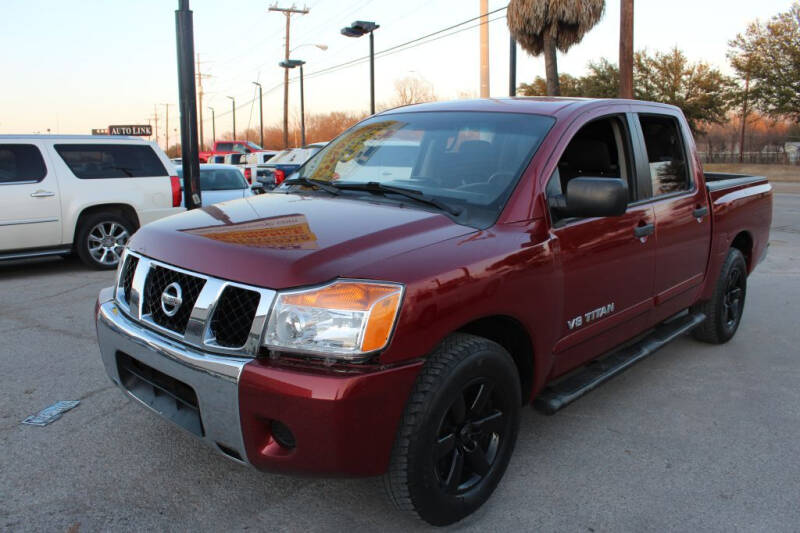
564, 392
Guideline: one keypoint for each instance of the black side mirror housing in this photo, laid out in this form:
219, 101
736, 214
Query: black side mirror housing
595, 197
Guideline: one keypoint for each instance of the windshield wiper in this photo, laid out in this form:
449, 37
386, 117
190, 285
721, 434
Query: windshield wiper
311, 182
380, 188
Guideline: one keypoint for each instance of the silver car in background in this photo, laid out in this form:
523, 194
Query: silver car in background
219, 183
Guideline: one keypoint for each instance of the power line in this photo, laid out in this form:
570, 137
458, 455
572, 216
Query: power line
389, 51
395, 47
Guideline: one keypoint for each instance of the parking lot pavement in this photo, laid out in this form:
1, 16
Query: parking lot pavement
697, 437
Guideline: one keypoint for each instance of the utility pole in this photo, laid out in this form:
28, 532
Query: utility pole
213, 127
484, 48
288, 12
155, 120
166, 126
261, 111
233, 110
200, 77
626, 49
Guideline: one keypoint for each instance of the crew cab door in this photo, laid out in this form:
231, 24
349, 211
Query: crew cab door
606, 264
30, 212
672, 184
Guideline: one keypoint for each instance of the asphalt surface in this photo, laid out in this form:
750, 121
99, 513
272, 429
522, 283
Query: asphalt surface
695, 438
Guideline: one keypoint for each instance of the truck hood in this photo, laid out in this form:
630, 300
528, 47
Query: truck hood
288, 240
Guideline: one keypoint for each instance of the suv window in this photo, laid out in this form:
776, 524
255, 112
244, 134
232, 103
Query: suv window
597, 150
100, 161
665, 154
21, 162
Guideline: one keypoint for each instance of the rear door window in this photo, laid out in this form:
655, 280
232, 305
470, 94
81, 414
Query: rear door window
21, 163
669, 172
104, 161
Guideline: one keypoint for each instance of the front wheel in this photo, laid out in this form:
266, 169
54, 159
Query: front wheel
458, 431
724, 310
101, 239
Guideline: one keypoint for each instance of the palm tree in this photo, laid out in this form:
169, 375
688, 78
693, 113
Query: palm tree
541, 26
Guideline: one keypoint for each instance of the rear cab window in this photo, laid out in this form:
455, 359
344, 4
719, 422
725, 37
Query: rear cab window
666, 154
21, 163
105, 161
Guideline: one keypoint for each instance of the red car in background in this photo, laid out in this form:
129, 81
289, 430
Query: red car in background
229, 147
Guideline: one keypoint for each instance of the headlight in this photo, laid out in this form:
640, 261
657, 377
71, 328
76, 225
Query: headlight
345, 319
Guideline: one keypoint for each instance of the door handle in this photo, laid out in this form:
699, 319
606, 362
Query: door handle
645, 230
700, 212
42, 194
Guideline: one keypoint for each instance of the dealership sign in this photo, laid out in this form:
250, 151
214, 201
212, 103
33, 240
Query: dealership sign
143, 130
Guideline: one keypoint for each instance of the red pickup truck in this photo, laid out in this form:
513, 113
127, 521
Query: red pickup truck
229, 147
390, 308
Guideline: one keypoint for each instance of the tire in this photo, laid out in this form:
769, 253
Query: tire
724, 310
101, 238
436, 470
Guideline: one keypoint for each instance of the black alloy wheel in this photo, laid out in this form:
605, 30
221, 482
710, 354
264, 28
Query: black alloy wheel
469, 438
458, 430
733, 300
725, 308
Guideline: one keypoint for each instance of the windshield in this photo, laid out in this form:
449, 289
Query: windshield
253, 146
218, 179
468, 160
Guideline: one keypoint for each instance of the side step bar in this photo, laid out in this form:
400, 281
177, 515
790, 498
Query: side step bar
564, 392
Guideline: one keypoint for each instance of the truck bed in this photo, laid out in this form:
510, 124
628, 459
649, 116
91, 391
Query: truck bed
725, 180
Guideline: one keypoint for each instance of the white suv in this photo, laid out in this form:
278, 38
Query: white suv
80, 193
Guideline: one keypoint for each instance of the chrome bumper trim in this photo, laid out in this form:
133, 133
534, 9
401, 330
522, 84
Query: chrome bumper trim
214, 378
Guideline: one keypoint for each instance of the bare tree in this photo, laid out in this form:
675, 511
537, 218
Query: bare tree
542, 26
412, 90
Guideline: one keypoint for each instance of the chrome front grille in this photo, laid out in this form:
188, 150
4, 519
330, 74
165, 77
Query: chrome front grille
157, 280
213, 314
233, 316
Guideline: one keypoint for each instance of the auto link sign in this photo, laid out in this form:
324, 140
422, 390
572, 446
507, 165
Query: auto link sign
144, 130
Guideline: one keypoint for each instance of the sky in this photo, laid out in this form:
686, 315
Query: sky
71, 65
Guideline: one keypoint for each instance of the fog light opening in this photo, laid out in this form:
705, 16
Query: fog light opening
282, 434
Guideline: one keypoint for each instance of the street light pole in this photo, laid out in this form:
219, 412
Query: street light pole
213, 126
188, 105
260, 112
233, 109
291, 63
357, 29
302, 110
371, 73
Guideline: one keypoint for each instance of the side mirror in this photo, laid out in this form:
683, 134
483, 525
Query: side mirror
596, 197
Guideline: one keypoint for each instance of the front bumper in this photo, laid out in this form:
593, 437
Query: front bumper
343, 424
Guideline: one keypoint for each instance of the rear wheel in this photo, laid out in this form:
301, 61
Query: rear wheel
724, 310
458, 431
101, 239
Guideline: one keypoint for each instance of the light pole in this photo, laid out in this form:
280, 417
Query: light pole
291, 63
213, 127
357, 29
260, 112
233, 109
188, 106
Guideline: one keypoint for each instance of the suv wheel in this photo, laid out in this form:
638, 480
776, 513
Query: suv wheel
458, 431
724, 310
101, 239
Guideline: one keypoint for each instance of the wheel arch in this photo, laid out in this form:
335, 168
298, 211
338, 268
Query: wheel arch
123, 210
509, 333
744, 243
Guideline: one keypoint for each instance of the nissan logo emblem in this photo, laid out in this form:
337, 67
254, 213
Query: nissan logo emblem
171, 299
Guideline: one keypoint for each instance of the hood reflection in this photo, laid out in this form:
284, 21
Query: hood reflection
285, 232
